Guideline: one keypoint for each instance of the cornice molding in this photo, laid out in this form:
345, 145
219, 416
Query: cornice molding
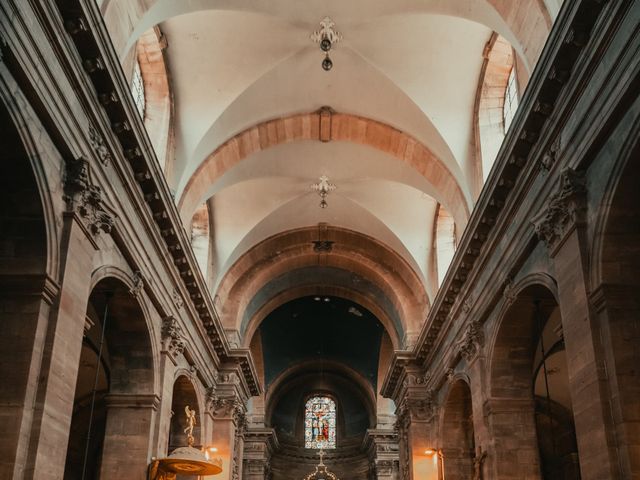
83, 24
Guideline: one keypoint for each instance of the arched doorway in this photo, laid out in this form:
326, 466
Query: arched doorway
24, 300
531, 415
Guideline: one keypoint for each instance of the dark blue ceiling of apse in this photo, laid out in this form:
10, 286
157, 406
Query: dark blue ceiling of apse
336, 330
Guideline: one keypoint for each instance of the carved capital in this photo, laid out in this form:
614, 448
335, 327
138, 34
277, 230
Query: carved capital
472, 342
565, 210
172, 336
416, 409
85, 198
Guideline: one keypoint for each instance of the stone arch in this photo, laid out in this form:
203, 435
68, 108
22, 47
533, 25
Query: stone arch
124, 402
517, 389
321, 290
445, 242
21, 153
615, 262
28, 274
341, 127
365, 258
184, 395
457, 433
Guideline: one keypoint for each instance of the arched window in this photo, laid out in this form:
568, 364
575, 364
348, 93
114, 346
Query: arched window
137, 89
320, 423
510, 99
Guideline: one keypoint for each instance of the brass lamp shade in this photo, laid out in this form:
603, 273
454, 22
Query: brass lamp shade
190, 461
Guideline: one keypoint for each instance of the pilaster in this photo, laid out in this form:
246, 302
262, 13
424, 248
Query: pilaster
561, 226
384, 453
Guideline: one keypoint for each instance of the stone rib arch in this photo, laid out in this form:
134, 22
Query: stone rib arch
322, 290
317, 126
363, 256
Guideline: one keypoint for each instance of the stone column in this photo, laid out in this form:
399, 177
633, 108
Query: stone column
259, 445
128, 436
57, 373
26, 302
514, 453
173, 345
384, 454
562, 228
617, 309
471, 349
415, 426
228, 408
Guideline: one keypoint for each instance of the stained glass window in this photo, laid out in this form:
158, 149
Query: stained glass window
320, 423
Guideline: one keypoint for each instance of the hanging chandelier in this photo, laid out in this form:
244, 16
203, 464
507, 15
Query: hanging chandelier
327, 36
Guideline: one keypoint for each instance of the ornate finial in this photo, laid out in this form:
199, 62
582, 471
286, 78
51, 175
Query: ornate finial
323, 187
321, 454
191, 422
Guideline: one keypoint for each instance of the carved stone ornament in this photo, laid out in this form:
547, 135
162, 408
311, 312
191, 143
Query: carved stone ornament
551, 156
565, 209
178, 301
467, 304
421, 409
138, 283
508, 291
98, 145
85, 198
472, 342
449, 374
172, 337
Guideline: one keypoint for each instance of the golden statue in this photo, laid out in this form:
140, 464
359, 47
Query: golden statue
191, 422
188, 461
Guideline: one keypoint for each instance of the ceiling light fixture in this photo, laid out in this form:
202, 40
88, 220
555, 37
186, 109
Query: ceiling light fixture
323, 187
326, 37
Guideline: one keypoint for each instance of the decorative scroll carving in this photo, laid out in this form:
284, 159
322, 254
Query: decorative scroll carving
85, 198
565, 209
172, 337
98, 145
472, 342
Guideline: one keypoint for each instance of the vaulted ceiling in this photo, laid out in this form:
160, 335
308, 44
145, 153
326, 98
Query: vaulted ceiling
246, 81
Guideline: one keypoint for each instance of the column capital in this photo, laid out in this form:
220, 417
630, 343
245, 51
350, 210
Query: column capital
173, 342
472, 342
563, 212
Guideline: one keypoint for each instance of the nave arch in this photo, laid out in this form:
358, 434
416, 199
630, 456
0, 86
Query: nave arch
343, 127
365, 265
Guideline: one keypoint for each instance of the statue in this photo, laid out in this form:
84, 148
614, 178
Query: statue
191, 422
477, 464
